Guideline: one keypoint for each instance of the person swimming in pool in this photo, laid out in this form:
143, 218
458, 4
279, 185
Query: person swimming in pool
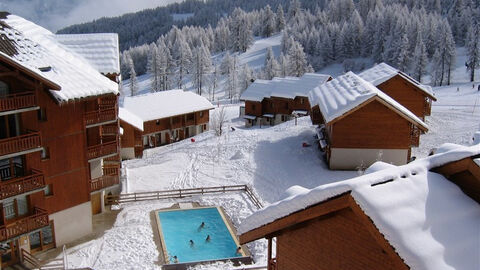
208, 238
175, 259
202, 225
239, 251
191, 242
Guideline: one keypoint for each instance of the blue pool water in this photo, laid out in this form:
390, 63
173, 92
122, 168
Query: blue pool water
181, 226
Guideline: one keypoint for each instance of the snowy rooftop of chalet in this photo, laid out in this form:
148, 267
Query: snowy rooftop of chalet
383, 72
345, 93
163, 104
429, 221
130, 118
288, 87
33, 47
100, 50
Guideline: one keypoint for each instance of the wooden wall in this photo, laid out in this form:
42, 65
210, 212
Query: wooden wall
179, 121
335, 241
128, 137
64, 135
406, 94
253, 108
373, 126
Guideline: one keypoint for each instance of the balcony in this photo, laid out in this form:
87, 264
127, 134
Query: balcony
19, 185
100, 117
109, 130
23, 144
103, 150
13, 103
37, 220
109, 178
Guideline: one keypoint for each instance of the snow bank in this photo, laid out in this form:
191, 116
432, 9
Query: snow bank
288, 87
345, 93
164, 104
130, 118
382, 72
101, 50
35, 48
431, 225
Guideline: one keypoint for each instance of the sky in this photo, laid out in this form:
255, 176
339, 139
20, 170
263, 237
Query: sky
57, 14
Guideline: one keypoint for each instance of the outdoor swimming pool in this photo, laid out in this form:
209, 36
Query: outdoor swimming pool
178, 227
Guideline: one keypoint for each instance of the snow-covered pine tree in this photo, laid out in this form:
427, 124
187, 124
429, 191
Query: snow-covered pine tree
222, 35
133, 77
241, 36
268, 21
167, 65
473, 49
297, 59
246, 78
154, 68
232, 79
183, 57
294, 10
282, 65
403, 59
271, 67
226, 64
419, 59
284, 43
201, 65
437, 68
280, 19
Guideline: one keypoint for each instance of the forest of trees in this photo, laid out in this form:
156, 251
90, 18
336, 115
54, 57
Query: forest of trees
407, 34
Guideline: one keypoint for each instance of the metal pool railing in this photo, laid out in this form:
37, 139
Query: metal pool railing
181, 193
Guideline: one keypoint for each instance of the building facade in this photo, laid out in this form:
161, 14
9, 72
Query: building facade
156, 119
271, 102
59, 144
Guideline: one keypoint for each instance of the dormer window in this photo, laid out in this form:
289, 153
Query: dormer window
3, 89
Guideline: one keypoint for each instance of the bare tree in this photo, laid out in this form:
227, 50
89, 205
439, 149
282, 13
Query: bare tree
218, 120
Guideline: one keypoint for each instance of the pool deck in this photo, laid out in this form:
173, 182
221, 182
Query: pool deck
246, 259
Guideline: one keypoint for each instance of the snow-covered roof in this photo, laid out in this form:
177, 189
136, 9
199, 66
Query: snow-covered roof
383, 72
429, 221
288, 87
130, 118
163, 104
101, 50
32, 48
345, 93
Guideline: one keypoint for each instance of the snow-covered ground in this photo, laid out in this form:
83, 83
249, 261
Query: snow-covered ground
269, 159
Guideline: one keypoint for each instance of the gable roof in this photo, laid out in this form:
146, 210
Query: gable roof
30, 47
346, 93
288, 87
101, 50
429, 221
164, 104
383, 72
130, 118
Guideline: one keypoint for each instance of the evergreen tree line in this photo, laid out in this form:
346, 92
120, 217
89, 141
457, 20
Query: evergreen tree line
401, 33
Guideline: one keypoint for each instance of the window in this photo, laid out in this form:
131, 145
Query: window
158, 122
201, 114
42, 115
3, 89
301, 100
286, 105
190, 116
253, 107
204, 127
49, 190
45, 153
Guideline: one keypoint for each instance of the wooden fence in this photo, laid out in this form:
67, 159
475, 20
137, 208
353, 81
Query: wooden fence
181, 193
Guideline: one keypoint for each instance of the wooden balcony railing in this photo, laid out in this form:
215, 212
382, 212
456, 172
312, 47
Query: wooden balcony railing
102, 150
18, 101
111, 169
21, 185
115, 158
110, 130
20, 143
272, 264
37, 220
103, 182
100, 116
415, 136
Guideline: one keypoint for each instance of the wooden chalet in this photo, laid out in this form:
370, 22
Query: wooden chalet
161, 118
59, 145
270, 102
423, 215
404, 89
359, 124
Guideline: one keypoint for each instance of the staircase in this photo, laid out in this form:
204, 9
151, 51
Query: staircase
31, 262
